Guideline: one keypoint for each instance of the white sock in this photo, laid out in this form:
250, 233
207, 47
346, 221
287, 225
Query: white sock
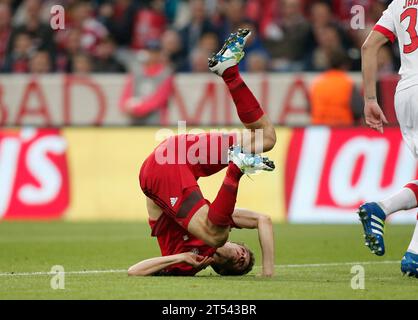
403, 200
413, 246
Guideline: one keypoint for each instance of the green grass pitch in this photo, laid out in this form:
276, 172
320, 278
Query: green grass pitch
313, 262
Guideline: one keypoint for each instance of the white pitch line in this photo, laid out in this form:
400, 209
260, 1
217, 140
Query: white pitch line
335, 264
315, 265
5, 274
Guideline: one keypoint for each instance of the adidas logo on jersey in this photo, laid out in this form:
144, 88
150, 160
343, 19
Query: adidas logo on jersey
173, 201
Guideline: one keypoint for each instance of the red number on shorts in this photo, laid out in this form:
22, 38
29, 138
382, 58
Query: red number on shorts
412, 14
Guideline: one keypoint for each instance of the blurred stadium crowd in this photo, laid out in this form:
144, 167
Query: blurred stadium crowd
103, 35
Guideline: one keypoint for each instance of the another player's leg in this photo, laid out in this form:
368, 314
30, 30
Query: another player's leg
407, 115
225, 64
373, 215
409, 263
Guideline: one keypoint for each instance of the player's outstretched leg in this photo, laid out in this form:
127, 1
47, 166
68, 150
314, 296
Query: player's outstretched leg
225, 64
373, 215
409, 263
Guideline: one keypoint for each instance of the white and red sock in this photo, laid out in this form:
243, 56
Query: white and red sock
405, 199
413, 246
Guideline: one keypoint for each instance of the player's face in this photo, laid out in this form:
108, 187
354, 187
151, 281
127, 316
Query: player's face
234, 255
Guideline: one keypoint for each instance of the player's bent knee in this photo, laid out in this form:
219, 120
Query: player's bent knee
269, 144
269, 140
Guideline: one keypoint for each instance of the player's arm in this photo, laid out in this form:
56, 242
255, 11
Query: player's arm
372, 112
248, 219
152, 266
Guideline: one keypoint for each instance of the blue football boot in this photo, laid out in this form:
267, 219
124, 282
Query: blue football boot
373, 219
409, 264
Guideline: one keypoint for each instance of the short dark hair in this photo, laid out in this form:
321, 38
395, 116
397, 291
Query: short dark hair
227, 270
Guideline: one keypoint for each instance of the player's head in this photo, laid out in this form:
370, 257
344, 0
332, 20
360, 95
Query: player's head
233, 259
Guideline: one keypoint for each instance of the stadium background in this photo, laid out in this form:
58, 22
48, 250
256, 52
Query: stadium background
71, 146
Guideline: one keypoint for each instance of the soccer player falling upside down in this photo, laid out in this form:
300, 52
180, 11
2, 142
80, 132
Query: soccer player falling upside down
399, 20
192, 232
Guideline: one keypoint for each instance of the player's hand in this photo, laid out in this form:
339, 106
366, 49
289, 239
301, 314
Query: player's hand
267, 274
197, 261
374, 116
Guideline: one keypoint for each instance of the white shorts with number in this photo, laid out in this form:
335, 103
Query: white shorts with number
406, 106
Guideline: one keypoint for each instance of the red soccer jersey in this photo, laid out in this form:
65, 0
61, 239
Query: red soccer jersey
173, 239
170, 173
205, 154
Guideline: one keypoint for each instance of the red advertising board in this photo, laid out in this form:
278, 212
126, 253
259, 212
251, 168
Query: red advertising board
34, 182
330, 172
